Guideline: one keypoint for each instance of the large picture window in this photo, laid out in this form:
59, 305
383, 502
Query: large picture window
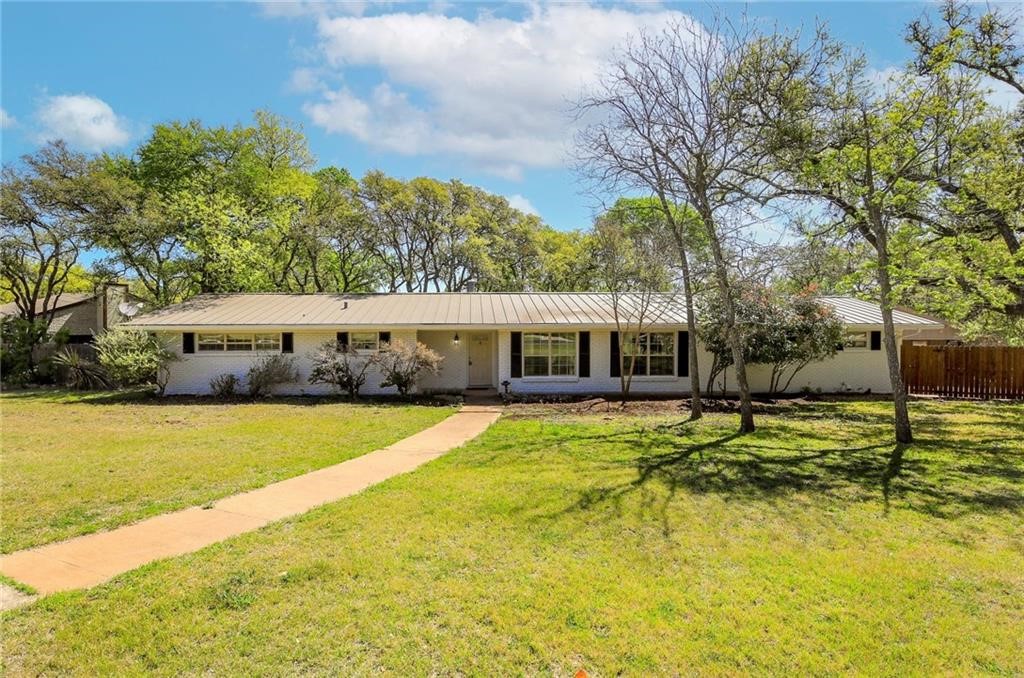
239, 342
549, 354
654, 353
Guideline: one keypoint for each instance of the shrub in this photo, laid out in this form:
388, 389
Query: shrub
134, 357
224, 385
402, 363
270, 371
79, 372
345, 370
18, 339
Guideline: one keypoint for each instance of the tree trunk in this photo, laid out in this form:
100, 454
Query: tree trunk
696, 407
735, 340
899, 392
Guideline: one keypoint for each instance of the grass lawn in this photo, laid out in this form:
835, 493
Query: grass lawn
631, 545
77, 463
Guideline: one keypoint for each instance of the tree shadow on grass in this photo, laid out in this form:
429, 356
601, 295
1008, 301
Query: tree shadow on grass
742, 468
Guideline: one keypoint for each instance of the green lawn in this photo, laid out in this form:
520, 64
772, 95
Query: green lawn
635, 546
75, 463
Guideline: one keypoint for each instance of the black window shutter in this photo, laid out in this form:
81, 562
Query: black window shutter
584, 354
188, 342
876, 340
683, 355
614, 368
287, 343
384, 337
517, 355
342, 339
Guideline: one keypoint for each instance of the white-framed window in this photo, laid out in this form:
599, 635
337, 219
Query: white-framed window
364, 341
654, 352
855, 340
210, 342
239, 342
549, 354
267, 342
235, 341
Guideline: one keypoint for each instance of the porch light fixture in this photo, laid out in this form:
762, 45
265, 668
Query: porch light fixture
455, 339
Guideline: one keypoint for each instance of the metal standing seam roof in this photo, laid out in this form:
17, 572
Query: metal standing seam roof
449, 309
858, 312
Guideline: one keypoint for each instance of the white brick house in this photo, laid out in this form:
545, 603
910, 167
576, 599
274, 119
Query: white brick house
538, 343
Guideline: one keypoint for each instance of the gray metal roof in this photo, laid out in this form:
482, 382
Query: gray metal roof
446, 309
404, 310
857, 312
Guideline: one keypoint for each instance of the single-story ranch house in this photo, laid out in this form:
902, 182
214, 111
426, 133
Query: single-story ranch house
538, 343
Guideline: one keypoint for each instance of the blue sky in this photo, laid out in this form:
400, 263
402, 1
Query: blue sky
478, 92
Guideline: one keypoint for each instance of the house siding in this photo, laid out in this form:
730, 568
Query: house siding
192, 373
849, 371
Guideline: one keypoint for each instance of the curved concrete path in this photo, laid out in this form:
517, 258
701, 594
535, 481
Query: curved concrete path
94, 558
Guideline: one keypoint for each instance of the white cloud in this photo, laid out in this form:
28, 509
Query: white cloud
83, 121
6, 119
522, 204
494, 90
304, 81
1000, 94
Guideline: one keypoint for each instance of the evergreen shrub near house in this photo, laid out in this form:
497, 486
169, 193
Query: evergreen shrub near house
132, 357
78, 372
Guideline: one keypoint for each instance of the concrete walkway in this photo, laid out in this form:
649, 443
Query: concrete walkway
92, 559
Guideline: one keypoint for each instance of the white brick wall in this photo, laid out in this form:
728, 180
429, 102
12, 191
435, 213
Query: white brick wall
192, 374
850, 370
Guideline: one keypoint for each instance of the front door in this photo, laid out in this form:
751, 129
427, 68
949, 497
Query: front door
480, 360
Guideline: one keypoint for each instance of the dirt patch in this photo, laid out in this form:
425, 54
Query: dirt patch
611, 407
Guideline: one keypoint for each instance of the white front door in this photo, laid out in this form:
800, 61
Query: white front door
480, 360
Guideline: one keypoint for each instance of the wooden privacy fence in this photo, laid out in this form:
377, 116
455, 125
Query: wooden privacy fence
964, 371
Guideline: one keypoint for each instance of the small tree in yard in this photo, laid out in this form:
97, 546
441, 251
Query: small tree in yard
402, 363
134, 357
345, 370
270, 371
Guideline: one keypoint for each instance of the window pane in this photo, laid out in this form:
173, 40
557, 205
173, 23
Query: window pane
211, 342
661, 365
268, 342
363, 341
535, 344
535, 366
563, 365
639, 367
563, 343
239, 342
857, 339
661, 343
630, 344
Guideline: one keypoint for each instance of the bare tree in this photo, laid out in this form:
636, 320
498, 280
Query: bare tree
633, 270
672, 109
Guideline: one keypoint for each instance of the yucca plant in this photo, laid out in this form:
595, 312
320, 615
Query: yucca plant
79, 372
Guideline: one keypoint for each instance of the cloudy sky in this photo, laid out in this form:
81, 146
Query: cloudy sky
480, 92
